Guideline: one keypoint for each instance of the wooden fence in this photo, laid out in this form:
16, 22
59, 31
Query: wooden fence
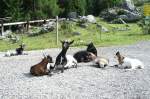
26, 24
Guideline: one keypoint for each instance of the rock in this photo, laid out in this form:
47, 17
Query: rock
84, 25
130, 16
74, 20
129, 5
83, 19
113, 14
72, 15
76, 33
7, 32
50, 26
91, 19
104, 29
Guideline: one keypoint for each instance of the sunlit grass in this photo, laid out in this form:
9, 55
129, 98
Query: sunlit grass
91, 33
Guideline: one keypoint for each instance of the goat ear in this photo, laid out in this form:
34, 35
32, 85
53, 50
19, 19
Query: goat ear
71, 42
118, 53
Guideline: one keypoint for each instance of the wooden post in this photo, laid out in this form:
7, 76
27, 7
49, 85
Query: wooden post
2, 27
28, 24
57, 30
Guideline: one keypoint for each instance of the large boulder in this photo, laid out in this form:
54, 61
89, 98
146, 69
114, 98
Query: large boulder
129, 5
112, 14
91, 19
130, 16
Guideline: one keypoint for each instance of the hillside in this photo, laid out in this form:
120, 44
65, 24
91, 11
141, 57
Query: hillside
117, 35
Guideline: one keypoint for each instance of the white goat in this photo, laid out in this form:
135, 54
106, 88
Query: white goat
10, 53
71, 62
129, 63
101, 62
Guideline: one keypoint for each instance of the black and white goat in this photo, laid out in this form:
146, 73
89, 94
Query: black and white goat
128, 63
61, 59
18, 51
85, 55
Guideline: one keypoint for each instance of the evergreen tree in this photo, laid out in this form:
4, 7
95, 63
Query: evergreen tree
78, 6
13, 9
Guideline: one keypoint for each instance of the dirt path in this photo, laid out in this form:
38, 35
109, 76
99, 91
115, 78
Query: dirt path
85, 82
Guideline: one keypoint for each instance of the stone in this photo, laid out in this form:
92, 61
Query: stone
76, 33
84, 25
91, 19
130, 16
49, 26
129, 5
104, 29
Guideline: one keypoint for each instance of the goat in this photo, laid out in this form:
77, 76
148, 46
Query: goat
128, 63
86, 55
18, 51
99, 61
40, 69
61, 58
83, 56
71, 62
91, 48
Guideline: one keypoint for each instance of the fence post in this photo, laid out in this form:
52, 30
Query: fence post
57, 30
27, 24
2, 27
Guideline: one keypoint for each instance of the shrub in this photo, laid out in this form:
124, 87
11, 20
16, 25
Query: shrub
145, 25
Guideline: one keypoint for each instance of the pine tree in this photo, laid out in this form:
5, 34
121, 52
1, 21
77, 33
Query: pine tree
78, 6
13, 9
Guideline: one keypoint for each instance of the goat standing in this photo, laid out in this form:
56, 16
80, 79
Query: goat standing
61, 58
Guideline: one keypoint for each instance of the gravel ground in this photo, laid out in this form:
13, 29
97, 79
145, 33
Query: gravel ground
85, 82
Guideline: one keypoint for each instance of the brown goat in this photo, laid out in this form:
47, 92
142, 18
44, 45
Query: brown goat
40, 69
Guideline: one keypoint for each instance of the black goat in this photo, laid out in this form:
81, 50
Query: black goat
83, 56
86, 55
61, 58
91, 48
19, 51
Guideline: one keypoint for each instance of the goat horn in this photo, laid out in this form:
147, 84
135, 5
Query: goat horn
44, 54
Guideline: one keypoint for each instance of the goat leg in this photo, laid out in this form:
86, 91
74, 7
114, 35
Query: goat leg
62, 70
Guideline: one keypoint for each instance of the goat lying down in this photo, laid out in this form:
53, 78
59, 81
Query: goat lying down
18, 51
40, 69
85, 55
99, 61
128, 63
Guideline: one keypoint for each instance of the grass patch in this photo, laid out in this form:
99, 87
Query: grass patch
91, 33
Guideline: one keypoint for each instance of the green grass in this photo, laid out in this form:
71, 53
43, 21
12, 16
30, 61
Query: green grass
91, 33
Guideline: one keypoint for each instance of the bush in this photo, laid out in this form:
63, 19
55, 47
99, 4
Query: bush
67, 28
145, 25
